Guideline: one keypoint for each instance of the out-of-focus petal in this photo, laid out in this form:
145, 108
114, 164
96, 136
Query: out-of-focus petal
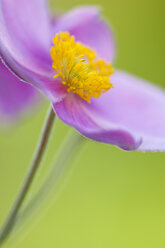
15, 96
87, 26
131, 115
25, 35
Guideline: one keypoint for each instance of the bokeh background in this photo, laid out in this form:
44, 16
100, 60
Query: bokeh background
112, 198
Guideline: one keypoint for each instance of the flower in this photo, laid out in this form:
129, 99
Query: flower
15, 97
126, 111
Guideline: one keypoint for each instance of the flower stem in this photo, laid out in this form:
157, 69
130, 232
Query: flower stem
68, 151
11, 219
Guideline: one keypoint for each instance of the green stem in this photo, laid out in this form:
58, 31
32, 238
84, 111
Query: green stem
68, 151
11, 219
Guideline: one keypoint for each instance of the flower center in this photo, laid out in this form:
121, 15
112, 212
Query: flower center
81, 70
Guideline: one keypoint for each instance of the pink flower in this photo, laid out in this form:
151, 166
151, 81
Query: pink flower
130, 115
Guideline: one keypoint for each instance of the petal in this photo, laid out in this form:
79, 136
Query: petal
79, 114
21, 35
131, 115
87, 26
15, 96
25, 46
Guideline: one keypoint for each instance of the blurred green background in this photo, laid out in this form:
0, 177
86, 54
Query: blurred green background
112, 198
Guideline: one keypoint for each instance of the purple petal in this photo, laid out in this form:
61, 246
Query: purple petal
131, 116
77, 113
25, 35
87, 26
15, 96
25, 42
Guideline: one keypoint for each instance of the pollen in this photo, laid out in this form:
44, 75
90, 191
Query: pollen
79, 68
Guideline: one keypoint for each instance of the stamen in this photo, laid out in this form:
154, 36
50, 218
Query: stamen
79, 67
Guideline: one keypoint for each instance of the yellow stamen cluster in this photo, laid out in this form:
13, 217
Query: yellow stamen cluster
79, 67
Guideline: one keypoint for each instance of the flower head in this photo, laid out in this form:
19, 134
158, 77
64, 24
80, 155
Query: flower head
79, 68
76, 75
